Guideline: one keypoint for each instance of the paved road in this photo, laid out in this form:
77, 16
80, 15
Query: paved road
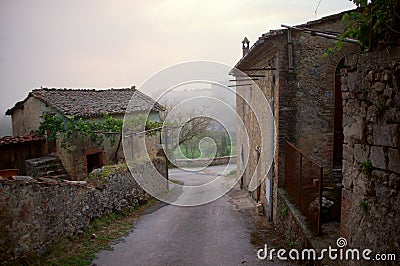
217, 233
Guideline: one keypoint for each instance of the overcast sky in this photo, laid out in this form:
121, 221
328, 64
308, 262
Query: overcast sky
119, 43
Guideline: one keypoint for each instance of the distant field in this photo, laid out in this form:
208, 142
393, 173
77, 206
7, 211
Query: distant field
192, 151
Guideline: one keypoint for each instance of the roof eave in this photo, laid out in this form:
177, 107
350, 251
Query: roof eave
254, 48
18, 105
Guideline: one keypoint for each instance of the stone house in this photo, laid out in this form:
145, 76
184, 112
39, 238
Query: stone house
304, 92
88, 105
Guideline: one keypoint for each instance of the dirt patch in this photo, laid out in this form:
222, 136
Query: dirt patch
267, 233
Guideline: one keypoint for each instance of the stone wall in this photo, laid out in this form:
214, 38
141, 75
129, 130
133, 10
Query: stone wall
35, 212
292, 222
371, 173
74, 159
204, 162
27, 118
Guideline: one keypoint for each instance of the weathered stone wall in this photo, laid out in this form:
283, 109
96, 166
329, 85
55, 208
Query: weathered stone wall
204, 161
371, 173
292, 222
74, 159
26, 119
33, 213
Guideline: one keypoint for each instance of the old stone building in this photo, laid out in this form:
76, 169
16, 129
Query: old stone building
304, 92
85, 104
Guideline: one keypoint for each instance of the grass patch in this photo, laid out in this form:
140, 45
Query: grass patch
367, 167
364, 206
81, 248
284, 210
290, 242
98, 177
233, 172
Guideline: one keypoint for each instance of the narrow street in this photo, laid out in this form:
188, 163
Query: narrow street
217, 233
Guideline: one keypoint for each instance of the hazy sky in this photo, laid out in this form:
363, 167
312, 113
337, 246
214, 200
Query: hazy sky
119, 43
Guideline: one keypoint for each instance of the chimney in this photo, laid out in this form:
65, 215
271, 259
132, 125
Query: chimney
245, 46
133, 88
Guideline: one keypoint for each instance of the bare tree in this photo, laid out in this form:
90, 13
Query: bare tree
185, 126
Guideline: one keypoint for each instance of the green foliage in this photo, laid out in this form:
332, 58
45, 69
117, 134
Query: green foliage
153, 127
140, 123
233, 172
223, 147
367, 167
190, 149
69, 129
290, 242
99, 176
54, 126
51, 124
208, 148
364, 206
374, 23
284, 210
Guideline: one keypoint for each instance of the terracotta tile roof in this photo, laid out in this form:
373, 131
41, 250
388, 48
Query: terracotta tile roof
7, 140
92, 103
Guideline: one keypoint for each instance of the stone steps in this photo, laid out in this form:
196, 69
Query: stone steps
46, 167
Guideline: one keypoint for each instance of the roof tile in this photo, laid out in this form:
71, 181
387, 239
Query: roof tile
6, 140
93, 103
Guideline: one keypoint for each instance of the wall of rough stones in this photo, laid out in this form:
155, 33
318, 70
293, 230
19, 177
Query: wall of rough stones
292, 222
35, 212
371, 173
204, 162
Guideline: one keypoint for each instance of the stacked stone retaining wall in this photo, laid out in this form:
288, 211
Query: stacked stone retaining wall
35, 212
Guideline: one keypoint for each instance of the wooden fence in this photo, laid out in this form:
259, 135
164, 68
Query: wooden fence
13, 155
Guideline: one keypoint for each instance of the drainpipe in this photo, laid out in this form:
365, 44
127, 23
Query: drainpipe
272, 141
290, 50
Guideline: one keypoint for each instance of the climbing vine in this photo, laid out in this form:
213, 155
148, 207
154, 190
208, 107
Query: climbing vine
68, 129
141, 124
54, 126
374, 24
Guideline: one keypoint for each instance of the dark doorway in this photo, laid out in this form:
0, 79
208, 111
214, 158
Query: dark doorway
93, 161
338, 128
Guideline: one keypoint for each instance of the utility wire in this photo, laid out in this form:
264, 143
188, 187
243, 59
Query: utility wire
315, 12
